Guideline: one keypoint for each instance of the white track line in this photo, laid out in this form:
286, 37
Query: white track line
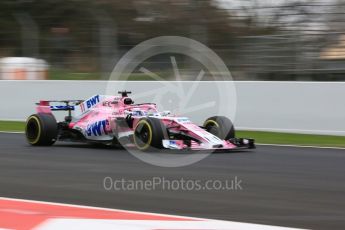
94, 207
276, 145
12, 132
105, 81
238, 224
302, 146
295, 131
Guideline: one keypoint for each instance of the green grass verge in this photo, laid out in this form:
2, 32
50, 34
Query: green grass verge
260, 137
56, 74
12, 126
294, 139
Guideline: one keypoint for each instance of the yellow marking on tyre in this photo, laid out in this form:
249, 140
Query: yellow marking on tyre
211, 121
39, 129
150, 136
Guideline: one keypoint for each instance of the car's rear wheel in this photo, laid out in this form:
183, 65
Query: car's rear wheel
149, 133
41, 129
220, 126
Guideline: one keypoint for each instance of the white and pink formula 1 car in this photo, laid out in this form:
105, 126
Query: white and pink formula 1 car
116, 120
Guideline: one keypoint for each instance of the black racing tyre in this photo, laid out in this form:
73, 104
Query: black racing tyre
41, 129
220, 126
149, 133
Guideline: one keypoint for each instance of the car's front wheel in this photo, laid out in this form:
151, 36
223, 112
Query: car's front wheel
41, 129
149, 133
220, 126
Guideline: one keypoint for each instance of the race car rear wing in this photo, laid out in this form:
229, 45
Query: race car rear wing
68, 104
44, 106
79, 107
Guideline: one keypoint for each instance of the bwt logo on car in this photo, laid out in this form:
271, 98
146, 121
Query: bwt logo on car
97, 128
93, 101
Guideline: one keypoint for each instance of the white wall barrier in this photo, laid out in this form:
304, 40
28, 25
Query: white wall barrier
302, 107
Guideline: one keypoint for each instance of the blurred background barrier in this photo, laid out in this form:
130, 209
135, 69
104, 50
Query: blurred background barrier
258, 40
299, 107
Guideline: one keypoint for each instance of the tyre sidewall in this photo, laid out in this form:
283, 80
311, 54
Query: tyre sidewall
225, 128
157, 130
48, 129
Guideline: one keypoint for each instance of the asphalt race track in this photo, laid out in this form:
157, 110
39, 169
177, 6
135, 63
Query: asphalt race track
285, 186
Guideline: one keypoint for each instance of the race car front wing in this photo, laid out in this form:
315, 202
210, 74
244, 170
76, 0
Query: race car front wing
231, 144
